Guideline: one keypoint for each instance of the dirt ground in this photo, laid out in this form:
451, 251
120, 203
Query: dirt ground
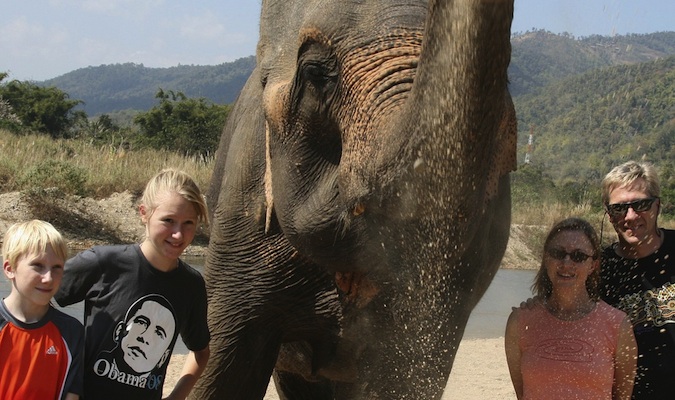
480, 370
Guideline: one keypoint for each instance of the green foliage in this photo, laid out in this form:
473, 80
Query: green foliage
586, 124
57, 174
532, 186
103, 131
47, 110
529, 186
8, 118
191, 126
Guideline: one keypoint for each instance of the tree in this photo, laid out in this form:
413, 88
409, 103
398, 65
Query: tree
191, 126
8, 118
47, 110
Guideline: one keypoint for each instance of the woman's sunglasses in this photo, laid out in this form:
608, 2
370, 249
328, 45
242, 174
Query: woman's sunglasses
619, 210
559, 254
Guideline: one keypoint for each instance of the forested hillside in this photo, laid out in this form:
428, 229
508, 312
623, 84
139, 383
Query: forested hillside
584, 124
539, 58
115, 87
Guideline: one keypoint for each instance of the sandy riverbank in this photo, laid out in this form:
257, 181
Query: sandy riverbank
479, 372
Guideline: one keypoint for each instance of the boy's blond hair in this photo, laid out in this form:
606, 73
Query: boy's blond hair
32, 237
173, 180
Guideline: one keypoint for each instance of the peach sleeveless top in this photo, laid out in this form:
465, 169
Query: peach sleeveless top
569, 359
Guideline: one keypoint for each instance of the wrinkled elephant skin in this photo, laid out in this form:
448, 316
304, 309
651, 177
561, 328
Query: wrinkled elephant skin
361, 198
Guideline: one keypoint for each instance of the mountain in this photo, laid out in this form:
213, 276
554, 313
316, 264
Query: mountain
116, 87
539, 58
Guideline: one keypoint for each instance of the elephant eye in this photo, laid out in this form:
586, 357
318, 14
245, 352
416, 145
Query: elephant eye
318, 76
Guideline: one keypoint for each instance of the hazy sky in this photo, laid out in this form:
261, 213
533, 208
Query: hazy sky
42, 39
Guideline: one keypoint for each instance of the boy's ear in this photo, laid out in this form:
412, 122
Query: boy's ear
143, 211
7, 268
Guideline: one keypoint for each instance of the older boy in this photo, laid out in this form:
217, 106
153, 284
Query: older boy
41, 348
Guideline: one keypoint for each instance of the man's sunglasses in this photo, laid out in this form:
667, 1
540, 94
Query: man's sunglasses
559, 254
619, 210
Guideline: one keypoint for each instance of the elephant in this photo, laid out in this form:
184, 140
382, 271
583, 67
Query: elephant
360, 198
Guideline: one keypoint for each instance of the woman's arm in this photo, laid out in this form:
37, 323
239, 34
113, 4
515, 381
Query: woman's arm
192, 370
72, 396
512, 348
625, 362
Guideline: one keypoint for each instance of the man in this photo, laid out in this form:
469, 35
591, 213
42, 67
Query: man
638, 273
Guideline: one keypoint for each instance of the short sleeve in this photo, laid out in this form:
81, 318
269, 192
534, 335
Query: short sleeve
72, 333
80, 273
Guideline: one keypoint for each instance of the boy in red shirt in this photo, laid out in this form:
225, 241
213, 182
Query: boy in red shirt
41, 348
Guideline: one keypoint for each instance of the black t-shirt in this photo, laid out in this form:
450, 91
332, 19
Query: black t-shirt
133, 315
645, 290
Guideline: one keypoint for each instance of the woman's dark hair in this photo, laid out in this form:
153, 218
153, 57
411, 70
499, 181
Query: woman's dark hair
542, 285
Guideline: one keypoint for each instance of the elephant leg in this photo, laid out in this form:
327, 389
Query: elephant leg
247, 358
294, 387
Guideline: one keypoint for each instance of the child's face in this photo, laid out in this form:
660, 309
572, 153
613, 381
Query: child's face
36, 277
170, 228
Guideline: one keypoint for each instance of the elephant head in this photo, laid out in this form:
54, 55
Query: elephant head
361, 198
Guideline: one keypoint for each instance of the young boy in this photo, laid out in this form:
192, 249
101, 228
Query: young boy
41, 348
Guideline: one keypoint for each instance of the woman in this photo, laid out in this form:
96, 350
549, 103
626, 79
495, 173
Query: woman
570, 345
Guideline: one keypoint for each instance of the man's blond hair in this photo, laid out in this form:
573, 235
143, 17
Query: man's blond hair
627, 174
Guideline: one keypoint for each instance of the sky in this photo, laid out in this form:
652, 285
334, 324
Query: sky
43, 39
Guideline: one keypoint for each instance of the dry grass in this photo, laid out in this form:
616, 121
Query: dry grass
538, 220
106, 169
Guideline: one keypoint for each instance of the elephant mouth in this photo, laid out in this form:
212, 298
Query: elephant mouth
356, 288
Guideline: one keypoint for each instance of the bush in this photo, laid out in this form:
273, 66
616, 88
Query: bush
56, 174
190, 126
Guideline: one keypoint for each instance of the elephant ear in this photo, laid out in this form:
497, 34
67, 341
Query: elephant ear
504, 158
269, 197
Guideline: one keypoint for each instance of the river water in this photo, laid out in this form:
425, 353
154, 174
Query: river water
487, 320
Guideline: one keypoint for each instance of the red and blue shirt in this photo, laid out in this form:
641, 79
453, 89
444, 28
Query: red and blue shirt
41, 360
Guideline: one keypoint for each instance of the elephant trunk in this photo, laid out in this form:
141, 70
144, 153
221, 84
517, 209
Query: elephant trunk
457, 103
446, 218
